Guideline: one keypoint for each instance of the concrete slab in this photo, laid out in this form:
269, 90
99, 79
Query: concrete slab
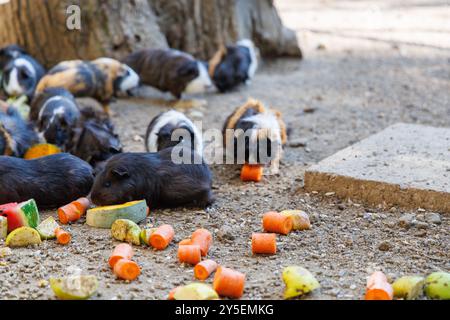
405, 165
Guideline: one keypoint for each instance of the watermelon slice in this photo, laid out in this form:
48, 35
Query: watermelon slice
25, 214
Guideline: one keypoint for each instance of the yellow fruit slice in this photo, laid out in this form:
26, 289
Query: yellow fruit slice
74, 287
46, 228
104, 217
195, 291
23, 237
41, 150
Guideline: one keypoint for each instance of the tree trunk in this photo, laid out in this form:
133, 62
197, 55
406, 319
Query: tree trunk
115, 28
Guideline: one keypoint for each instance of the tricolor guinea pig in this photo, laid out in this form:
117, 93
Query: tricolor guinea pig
233, 65
21, 74
52, 181
260, 132
171, 71
9, 53
16, 135
102, 79
56, 114
173, 123
155, 178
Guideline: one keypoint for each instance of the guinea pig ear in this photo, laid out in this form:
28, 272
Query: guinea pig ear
121, 172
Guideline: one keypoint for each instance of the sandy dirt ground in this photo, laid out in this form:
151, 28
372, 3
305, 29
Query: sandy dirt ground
367, 65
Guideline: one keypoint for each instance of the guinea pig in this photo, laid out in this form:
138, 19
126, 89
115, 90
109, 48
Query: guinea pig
171, 71
155, 178
102, 79
16, 135
95, 142
260, 132
52, 181
56, 114
233, 65
21, 76
160, 130
9, 53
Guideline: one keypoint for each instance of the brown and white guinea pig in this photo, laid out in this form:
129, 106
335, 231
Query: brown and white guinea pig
233, 65
56, 114
102, 79
155, 178
171, 71
162, 127
259, 128
9, 53
21, 73
16, 135
52, 181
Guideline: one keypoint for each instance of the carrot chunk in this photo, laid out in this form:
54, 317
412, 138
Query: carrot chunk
277, 223
161, 238
127, 269
264, 243
204, 269
229, 283
190, 254
82, 205
202, 238
252, 173
185, 242
69, 213
378, 287
121, 251
63, 237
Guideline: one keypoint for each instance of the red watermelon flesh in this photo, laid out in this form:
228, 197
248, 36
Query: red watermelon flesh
24, 214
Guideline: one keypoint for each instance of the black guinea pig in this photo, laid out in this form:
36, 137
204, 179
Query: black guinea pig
259, 132
16, 135
167, 126
155, 178
171, 71
9, 53
101, 79
21, 76
52, 181
234, 65
56, 114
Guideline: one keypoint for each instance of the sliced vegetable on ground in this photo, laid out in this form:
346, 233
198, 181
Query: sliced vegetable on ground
104, 217
126, 231
408, 287
299, 281
23, 237
437, 286
74, 287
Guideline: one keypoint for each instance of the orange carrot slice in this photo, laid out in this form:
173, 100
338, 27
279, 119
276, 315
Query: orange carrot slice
82, 205
121, 251
172, 294
202, 238
161, 238
69, 213
204, 269
190, 254
185, 242
264, 243
63, 237
229, 283
277, 223
378, 287
127, 269
252, 173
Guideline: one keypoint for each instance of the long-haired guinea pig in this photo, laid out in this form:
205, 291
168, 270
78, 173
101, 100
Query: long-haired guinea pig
258, 128
56, 114
233, 65
160, 130
52, 181
155, 178
9, 53
102, 79
171, 71
21, 75
16, 135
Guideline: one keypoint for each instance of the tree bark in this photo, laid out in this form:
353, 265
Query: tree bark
115, 28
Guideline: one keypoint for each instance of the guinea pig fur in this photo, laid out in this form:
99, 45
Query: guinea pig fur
161, 128
155, 178
52, 181
16, 135
9, 53
233, 65
21, 76
171, 71
102, 79
263, 127
57, 115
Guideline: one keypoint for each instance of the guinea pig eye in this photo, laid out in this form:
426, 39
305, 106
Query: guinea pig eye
24, 74
107, 184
